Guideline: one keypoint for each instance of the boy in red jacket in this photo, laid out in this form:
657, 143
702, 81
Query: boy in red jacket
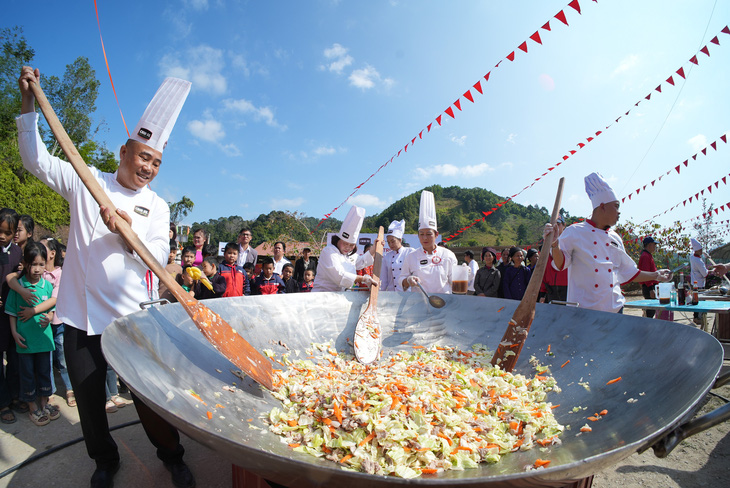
236, 279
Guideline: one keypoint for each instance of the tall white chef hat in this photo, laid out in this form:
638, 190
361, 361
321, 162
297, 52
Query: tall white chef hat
156, 124
396, 228
598, 190
427, 212
350, 228
696, 246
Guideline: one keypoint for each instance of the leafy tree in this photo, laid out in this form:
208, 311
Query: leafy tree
521, 234
703, 229
179, 210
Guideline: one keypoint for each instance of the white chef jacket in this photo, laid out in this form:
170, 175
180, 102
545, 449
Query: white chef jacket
337, 272
474, 267
279, 265
698, 271
391, 268
101, 281
433, 269
597, 266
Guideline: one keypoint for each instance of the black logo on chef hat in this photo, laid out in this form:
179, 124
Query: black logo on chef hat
345, 235
144, 133
432, 223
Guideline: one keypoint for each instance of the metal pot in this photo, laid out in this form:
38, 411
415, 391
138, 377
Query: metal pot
666, 369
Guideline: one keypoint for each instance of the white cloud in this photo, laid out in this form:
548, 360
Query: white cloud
698, 142
369, 202
202, 65
459, 141
207, 130
453, 170
197, 4
338, 57
286, 203
235, 176
512, 139
626, 64
239, 62
324, 151
230, 150
243, 106
364, 78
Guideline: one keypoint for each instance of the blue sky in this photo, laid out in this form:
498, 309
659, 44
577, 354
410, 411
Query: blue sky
294, 103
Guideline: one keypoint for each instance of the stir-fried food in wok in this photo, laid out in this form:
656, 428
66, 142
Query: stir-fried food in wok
413, 413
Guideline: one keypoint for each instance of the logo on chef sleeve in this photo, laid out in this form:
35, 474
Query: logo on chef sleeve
144, 212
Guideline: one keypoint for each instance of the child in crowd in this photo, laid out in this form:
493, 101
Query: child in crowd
10, 257
24, 234
208, 251
209, 266
268, 282
174, 269
250, 269
185, 280
188, 256
308, 281
236, 281
34, 342
292, 285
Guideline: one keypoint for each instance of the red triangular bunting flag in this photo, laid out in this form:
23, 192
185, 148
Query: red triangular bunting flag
677, 168
565, 157
715, 40
644, 187
498, 63
723, 180
581, 145
420, 136
536, 37
693, 60
599, 133
486, 77
704, 151
561, 17
697, 196
428, 128
413, 140
726, 30
680, 72
717, 183
468, 96
399, 153
648, 97
652, 182
709, 188
713, 144
573, 151
629, 196
724, 138
438, 120
622, 200
457, 104
589, 139
716, 211
670, 80
659, 88
684, 203
478, 87
694, 156
690, 199
637, 191
551, 168
705, 50
511, 56
685, 162
523, 46
575, 5
702, 193
450, 112
546, 26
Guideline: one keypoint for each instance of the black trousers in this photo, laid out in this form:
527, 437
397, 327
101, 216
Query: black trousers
646, 292
87, 369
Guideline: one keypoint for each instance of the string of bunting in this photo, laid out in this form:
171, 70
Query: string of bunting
469, 94
721, 208
670, 81
703, 151
696, 197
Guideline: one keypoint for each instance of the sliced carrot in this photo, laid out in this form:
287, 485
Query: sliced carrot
603, 412
296, 444
586, 429
338, 412
593, 419
210, 415
346, 458
404, 342
418, 347
367, 439
502, 308
548, 349
541, 463
292, 423
562, 366
451, 443
429, 471
615, 380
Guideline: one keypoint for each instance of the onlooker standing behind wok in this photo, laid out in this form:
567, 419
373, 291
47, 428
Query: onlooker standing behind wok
516, 276
488, 278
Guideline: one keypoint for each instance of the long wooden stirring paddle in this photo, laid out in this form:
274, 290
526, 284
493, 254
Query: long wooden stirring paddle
514, 337
367, 340
220, 334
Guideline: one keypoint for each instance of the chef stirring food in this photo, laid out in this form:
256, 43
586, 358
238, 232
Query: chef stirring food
415, 413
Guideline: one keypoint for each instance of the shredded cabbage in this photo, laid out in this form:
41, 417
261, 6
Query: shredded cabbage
418, 412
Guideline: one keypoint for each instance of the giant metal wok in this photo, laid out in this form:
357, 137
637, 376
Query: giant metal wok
666, 370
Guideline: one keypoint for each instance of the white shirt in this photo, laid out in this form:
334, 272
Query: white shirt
698, 271
433, 269
336, 272
101, 281
597, 266
279, 265
474, 267
391, 267
242, 255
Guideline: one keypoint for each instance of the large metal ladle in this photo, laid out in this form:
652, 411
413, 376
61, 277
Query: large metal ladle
435, 302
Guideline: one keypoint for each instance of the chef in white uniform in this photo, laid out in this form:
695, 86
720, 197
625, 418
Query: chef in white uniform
594, 254
698, 269
339, 261
393, 259
103, 280
430, 265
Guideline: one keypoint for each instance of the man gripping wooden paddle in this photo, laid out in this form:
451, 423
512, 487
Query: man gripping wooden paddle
103, 280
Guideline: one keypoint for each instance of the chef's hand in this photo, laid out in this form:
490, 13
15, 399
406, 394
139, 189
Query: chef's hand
550, 230
413, 280
721, 269
663, 275
368, 281
110, 220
